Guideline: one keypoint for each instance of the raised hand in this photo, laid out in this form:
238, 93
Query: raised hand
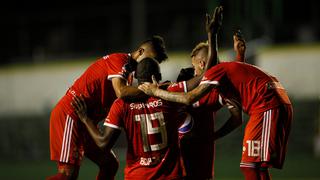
239, 45
80, 108
214, 21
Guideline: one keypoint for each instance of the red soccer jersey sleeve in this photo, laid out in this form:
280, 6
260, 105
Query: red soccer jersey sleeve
115, 116
116, 65
178, 87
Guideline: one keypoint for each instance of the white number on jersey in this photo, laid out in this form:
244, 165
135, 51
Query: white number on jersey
148, 123
253, 148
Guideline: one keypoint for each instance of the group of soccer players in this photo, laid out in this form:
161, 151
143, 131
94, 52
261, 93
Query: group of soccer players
170, 127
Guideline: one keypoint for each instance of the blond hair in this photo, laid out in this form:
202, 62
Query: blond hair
201, 45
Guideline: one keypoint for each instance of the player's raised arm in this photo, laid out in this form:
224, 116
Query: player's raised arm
239, 46
213, 25
105, 140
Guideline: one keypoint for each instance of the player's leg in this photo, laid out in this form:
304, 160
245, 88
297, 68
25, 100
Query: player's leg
107, 161
264, 172
64, 147
253, 171
250, 173
253, 146
265, 139
279, 135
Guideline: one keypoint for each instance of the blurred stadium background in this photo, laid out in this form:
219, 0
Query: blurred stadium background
46, 45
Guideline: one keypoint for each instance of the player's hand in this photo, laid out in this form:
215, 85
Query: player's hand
214, 21
149, 88
239, 45
80, 108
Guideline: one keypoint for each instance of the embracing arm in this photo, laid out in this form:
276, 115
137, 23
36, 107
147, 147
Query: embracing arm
188, 98
104, 141
194, 82
122, 90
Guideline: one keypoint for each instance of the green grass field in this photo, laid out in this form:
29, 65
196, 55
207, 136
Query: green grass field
226, 168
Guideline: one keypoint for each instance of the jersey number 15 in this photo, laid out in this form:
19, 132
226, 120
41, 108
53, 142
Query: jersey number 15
153, 126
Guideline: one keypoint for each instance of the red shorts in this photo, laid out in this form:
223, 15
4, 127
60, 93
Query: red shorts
266, 136
69, 138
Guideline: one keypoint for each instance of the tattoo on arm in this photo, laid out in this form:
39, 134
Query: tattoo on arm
185, 98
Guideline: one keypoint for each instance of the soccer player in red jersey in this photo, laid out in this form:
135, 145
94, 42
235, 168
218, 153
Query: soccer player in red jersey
203, 112
103, 81
151, 126
196, 147
262, 97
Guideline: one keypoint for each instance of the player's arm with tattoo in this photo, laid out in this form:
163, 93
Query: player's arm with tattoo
188, 98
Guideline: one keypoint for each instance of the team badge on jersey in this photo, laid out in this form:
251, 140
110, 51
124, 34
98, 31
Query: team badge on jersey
187, 124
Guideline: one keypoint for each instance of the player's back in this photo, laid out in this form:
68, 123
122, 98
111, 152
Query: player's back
151, 129
255, 86
95, 86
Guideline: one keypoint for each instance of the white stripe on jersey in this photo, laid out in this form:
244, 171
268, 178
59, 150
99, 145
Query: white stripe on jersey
116, 76
67, 134
209, 82
265, 136
185, 86
248, 165
111, 125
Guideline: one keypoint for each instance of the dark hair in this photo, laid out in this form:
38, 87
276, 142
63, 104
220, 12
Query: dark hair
158, 45
146, 68
185, 74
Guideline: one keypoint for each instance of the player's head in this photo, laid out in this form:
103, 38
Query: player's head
146, 68
185, 74
152, 48
199, 57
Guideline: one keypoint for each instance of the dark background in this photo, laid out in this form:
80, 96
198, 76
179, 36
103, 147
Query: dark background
32, 29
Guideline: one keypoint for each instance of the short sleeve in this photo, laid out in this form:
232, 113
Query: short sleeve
214, 75
116, 65
115, 116
178, 87
213, 100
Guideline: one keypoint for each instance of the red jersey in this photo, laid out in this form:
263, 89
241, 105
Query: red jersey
198, 150
258, 90
96, 85
151, 130
68, 139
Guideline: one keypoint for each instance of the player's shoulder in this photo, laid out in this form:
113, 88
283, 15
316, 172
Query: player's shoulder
116, 56
119, 102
